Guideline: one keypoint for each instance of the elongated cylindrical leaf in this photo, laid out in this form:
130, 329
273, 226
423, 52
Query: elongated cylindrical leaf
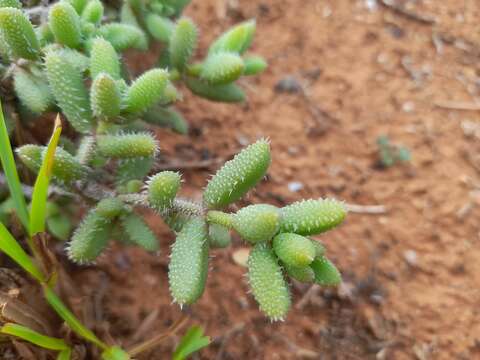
123, 146
310, 217
65, 24
104, 59
222, 68
66, 83
189, 262
146, 90
238, 175
267, 282
17, 35
183, 42
105, 97
229, 93
32, 91
256, 223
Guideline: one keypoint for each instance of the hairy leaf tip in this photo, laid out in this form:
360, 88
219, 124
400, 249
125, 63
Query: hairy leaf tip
162, 189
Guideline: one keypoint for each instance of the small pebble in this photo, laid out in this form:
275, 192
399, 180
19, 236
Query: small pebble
408, 106
295, 186
410, 257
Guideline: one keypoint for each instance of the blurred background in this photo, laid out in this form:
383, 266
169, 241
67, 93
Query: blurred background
372, 102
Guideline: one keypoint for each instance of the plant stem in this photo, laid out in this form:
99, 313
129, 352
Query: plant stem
219, 218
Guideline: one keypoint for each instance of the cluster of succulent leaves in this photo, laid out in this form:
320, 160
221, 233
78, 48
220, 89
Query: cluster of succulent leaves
279, 236
71, 61
391, 154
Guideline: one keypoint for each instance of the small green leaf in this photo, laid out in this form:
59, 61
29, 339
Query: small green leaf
65, 354
10, 247
40, 190
34, 337
191, 342
60, 226
115, 353
10, 170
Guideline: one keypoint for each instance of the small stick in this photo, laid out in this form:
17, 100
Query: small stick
311, 292
454, 105
150, 344
366, 209
401, 10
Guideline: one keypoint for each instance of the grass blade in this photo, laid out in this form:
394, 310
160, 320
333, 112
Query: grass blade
65, 354
34, 337
40, 190
10, 170
70, 319
10, 247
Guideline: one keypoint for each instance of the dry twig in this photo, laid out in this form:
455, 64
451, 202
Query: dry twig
408, 14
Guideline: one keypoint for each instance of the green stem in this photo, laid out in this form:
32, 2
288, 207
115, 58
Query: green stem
220, 218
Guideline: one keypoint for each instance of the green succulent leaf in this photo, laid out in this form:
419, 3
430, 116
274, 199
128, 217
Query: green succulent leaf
268, 283
257, 223
162, 189
304, 274
127, 145
17, 35
147, 90
219, 236
93, 12
222, 68
104, 59
32, 91
105, 97
78, 5
133, 169
310, 217
228, 93
31, 156
10, 4
90, 238
139, 233
183, 42
110, 208
66, 83
294, 250
254, 65
326, 274
238, 175
237, 39
124, 36
65, 24
159, 27
166, 117
188, 267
